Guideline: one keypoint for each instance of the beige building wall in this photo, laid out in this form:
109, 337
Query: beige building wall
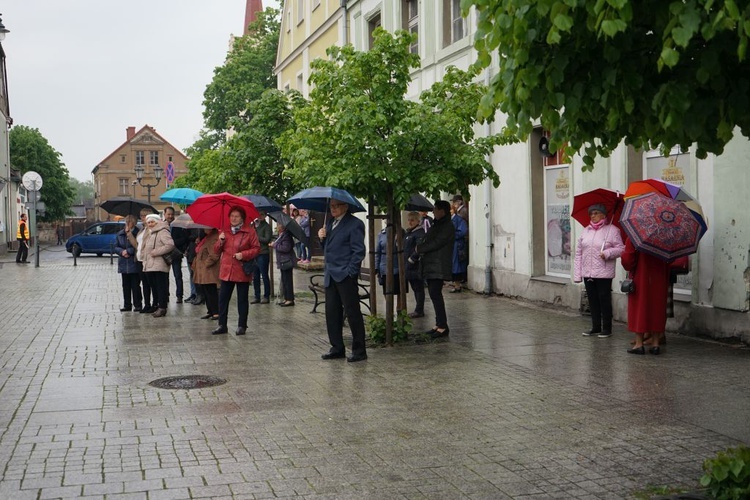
115, 175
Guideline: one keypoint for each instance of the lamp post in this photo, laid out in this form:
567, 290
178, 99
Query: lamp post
3, 29
139, 170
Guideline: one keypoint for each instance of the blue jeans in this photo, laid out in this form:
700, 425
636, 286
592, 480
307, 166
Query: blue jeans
261, 261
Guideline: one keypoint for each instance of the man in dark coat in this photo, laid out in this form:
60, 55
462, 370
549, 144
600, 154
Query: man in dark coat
436, 253
414, 235
343, 241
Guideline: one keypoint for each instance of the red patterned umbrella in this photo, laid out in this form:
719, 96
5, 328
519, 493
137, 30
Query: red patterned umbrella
661, 226
213, 209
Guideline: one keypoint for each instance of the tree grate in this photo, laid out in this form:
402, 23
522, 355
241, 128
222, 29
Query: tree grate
187, 382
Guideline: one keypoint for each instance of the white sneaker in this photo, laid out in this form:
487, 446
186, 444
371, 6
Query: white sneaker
604, 335
590, 333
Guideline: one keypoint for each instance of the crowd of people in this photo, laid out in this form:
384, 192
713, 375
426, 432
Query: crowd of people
436, 254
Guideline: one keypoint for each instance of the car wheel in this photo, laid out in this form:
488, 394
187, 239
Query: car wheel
76, 250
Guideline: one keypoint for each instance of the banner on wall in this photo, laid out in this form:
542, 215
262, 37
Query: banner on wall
557, 219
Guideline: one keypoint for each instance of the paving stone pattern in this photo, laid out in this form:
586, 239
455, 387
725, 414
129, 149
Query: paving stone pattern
516, 405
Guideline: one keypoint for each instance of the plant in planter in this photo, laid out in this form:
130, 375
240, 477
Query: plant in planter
727, 475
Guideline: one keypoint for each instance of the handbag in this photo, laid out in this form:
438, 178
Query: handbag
172, 256
627, 285
286, 265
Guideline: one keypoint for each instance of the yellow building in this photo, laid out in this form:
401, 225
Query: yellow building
115, 175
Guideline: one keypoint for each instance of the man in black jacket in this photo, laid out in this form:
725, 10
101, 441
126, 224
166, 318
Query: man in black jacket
436, 254
181, 238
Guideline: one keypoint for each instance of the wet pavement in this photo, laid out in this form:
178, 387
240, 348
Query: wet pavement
517, 404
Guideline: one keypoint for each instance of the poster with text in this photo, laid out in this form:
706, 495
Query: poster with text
557, 220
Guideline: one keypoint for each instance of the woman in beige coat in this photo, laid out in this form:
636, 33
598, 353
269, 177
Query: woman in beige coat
157, 243
206, 272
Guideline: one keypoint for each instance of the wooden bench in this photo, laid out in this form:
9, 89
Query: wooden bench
316, 285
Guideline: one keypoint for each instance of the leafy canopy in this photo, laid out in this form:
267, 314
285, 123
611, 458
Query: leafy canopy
29, 150
596, 72
245, 75
360, 132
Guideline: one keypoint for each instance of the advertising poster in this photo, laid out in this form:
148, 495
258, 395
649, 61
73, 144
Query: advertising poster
557, 219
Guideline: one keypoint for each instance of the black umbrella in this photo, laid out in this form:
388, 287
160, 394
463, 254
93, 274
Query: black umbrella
126, 206
419, 203
263, 203
290, 225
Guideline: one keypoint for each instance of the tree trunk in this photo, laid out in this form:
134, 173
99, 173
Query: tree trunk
389, 272
371, 245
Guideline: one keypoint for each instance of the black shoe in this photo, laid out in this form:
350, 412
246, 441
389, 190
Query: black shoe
430, 332
126, 309
138, 309
190, 299
437, 334
287, 304
241, 330
356, 357
591, 333
199, 301
416, 314
264, 300
255, 301
206, 316
655, 350
219, 330
179, 300
147, 310
637, 350
333, 355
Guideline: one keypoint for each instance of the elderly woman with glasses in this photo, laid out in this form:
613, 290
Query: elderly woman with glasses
156, 244
598, 248
237, 245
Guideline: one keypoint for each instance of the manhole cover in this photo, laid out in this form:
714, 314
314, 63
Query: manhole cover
187, 382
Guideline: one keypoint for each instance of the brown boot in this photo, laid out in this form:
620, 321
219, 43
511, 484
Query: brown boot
160, 313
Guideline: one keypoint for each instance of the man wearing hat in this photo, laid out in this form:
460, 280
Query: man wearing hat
598, 248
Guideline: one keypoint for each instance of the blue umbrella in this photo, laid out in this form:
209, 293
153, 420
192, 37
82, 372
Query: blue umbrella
263, 203
317, 198
182, 196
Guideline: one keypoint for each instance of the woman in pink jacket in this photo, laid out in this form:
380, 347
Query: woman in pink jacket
237, 245
598, 248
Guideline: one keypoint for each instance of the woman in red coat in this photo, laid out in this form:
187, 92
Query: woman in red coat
647, 305
235, 246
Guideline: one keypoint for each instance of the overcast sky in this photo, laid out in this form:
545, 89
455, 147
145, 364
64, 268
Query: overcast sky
82, 71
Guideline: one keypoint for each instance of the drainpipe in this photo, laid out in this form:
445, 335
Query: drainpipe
488, 210
345, 39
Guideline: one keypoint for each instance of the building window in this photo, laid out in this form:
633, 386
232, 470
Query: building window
300, 11
154, 157
140, 158
372, 24
122, 158
300, 82
124, 186
411, 21
454, 26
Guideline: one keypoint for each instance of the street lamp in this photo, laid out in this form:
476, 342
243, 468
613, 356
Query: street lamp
3, 29
139, 176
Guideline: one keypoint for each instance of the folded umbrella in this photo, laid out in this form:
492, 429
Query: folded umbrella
186, 222
213, 209
661, 226
290, 224
317, 198
126, 206
181, 196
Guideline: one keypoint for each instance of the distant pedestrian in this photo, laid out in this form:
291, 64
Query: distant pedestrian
206, 272
181, 238
436, 253
22, 236
148, 307
343, 240
304, 222
262, 261
598, 248
381, 263
285, 262
460, 257
156, 244
60, 234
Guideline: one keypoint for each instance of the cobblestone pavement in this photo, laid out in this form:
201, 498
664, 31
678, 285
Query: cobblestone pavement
516, 405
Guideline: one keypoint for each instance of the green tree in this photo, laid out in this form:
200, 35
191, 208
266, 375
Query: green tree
29, 150
360, 132
596, 73
83, 191
245, 75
